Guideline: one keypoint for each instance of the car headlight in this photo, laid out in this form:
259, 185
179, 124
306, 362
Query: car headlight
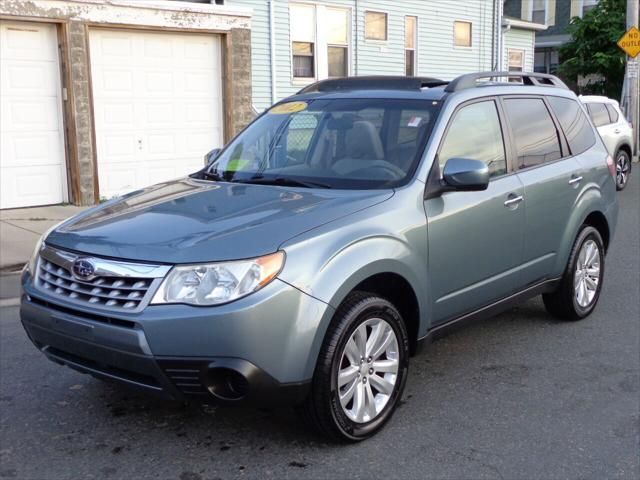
33, 261
216, 283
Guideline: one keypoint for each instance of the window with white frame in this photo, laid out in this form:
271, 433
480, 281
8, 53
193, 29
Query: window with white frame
410, 45
302, 19
375, 25
539, 11
515, 60
337, 21
462, 34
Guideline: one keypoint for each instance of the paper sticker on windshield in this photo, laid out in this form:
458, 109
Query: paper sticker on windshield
414, 122
289, 107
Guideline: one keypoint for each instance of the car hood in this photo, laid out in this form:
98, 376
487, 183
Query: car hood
190, 220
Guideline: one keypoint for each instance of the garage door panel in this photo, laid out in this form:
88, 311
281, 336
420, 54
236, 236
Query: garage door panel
173, 84
118, 178
26, 78
32, 159
35, 114
26, 186
28, 41
31, 149
115, 115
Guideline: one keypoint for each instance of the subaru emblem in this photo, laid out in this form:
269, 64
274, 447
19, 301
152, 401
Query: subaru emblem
83, 269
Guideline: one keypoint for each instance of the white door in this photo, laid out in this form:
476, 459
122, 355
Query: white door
157, 105
32, 158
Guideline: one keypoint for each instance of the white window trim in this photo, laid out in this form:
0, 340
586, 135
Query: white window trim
524, 58
546, 11
364, 27
453, 39
415, 45
349, 43
304, 80
581, 5
321, 45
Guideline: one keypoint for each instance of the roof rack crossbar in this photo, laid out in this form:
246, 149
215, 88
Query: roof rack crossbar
528, 78
377, 82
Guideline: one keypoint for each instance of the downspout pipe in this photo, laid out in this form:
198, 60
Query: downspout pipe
272, 52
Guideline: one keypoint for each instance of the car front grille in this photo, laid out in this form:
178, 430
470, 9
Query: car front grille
115, 286
111, 292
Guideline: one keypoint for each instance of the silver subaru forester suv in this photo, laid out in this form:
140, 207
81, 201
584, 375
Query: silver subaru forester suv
340, 230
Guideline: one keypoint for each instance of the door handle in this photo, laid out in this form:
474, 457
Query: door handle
513, 200
575, 180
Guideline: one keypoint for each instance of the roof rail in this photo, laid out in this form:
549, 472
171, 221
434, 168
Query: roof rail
528, 78
374, 82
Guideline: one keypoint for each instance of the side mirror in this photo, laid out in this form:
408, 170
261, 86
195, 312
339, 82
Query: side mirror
465, 174
211, 156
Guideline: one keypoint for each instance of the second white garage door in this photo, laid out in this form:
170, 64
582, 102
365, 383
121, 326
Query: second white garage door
157, 105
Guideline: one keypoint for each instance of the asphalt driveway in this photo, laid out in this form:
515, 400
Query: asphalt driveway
520, 396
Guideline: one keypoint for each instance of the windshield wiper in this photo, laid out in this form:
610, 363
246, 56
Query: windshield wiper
212, 176
283, 181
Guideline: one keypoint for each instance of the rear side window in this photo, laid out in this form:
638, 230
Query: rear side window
573, 121
475, 133
599, 114
613, 113
535, 133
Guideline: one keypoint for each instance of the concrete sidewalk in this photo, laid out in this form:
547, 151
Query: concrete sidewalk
21, 228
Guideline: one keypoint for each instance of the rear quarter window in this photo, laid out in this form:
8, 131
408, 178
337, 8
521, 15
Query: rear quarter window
574, 123
599, 114
613, 113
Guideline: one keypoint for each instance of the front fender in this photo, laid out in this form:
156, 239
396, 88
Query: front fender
329, 262
336, 277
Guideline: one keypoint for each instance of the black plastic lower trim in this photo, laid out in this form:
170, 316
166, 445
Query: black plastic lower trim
487, 311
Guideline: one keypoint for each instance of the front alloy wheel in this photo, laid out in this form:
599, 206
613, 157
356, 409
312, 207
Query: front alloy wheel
368, 370
623, 169
361, 370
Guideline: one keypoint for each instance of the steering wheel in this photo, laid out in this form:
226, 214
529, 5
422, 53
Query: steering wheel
391, 170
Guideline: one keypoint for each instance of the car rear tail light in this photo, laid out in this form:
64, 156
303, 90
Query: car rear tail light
612, 166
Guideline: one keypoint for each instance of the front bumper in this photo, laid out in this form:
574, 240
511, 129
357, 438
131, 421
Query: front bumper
259, 352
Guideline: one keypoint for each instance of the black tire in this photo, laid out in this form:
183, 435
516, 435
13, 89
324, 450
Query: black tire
322, 408
623, 169
562, 303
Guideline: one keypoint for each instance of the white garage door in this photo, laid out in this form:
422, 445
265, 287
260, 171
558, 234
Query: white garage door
157, 105
32, 164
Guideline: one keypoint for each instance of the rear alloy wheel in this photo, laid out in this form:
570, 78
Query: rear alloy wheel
580, 287
361, 369
623, 169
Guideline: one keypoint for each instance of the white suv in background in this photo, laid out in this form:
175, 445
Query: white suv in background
616, 133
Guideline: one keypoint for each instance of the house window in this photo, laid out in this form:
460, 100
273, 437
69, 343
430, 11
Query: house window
375, 25
588, 5
337, 21
410, 42
539, 11
302, 19
462, 34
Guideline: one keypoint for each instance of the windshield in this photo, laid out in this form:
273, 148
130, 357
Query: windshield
345, 143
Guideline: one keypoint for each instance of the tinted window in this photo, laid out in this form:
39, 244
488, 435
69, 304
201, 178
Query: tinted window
475, 133
576, 128
613, 113
599, 114
535, 134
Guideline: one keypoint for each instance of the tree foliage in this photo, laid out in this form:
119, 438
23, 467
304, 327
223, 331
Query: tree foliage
592, 51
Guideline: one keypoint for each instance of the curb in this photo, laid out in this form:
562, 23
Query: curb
10, 302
